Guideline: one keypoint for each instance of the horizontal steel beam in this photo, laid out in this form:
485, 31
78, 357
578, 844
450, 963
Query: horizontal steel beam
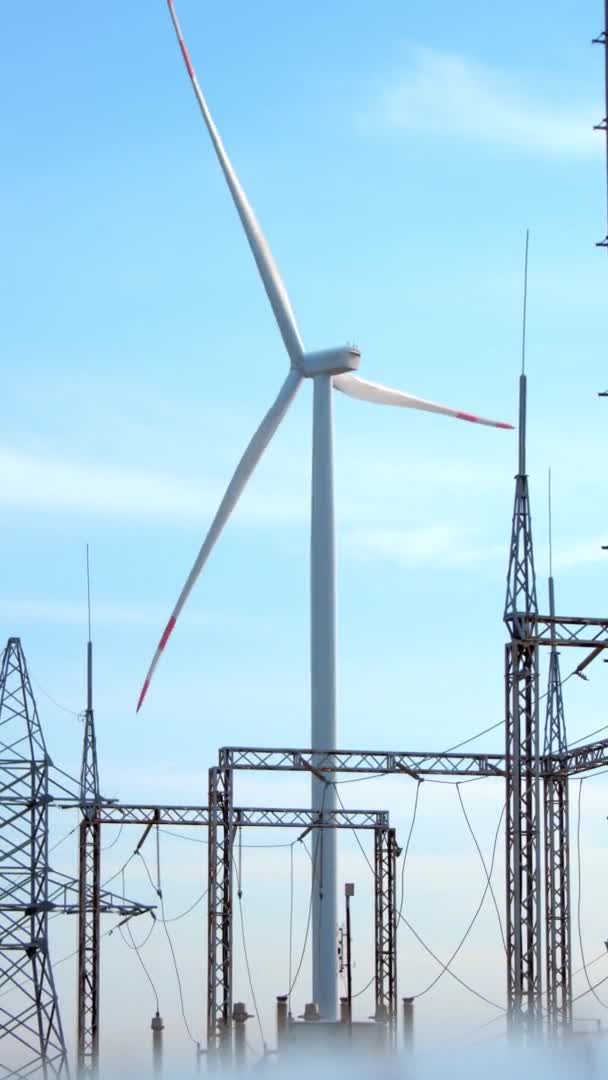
361, 761
567, 631
249, 816
583, 758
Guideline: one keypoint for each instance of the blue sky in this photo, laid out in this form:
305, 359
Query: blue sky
395, 157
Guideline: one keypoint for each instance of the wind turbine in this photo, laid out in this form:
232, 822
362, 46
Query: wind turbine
330, 369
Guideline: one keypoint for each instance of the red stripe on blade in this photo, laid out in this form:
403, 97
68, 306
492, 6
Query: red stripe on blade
167, 633
506, 427
468, 416
144, 691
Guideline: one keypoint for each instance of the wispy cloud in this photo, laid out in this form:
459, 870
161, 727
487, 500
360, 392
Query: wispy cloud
440, 546
35, 482
449, 95
40, 483
57, 611
580, 553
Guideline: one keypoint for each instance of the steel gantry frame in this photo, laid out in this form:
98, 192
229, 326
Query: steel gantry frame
222, 826
224, 822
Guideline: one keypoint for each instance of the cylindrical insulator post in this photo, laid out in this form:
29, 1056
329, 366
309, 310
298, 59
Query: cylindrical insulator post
157, 1044
240, 1016
408, 1022
282, 1021
344, 1012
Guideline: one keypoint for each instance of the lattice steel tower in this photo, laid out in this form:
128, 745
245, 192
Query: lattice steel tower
556, 834
31, 1034
522, 840
89, 904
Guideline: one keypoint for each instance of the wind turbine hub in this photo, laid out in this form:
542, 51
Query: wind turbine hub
330, 361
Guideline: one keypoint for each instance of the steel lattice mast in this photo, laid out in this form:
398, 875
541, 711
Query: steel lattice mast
522, 750
557, 854
89, 892
32, 1034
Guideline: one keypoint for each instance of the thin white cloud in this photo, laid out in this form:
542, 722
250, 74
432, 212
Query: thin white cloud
34, 482
449, 95
40, 483
440, 546
56, 611
580, 553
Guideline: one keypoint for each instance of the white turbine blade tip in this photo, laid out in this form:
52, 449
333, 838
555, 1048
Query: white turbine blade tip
385, 395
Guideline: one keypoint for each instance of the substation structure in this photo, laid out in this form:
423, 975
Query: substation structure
31, 891
552, 771
223, 823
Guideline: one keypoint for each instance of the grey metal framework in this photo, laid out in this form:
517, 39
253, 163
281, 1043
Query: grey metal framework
222, 828
385, 911
224, 821
603, 125
89, 878
557, 854
405, 763
522, 754
30, 1023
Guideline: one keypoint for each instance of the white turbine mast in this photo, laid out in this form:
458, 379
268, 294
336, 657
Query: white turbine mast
330, 369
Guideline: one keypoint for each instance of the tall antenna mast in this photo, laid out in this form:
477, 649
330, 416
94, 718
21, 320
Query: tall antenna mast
89, 902
89, 776
523, 386
603, 125
523, 816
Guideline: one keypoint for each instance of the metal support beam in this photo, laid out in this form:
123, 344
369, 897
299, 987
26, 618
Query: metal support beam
385, 909
89, 910
557, 852
219, 918
362, 761
522, 753
89, 893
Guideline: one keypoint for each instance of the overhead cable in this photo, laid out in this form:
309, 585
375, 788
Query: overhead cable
239, 893
592, 988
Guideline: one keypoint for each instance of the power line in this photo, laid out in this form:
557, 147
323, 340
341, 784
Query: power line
407, 850
239, 893
113, 842
472, 922
446, 967
159, 891
487, 873
64, 838
137, 952
578, 905
57, 704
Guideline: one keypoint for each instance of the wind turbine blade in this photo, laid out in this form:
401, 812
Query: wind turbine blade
243, 471
384, 395
269, 273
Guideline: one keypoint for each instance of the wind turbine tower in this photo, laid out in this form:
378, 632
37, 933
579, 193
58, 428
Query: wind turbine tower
329, 369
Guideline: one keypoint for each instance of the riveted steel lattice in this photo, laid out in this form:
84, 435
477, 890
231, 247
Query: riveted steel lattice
89, 881
31, 1034
557, 854
219, 917
522, 752
385, 910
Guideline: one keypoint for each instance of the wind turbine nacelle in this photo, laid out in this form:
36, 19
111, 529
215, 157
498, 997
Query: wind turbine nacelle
330, 361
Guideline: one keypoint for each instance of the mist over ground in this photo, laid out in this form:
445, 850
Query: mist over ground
584, 1055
